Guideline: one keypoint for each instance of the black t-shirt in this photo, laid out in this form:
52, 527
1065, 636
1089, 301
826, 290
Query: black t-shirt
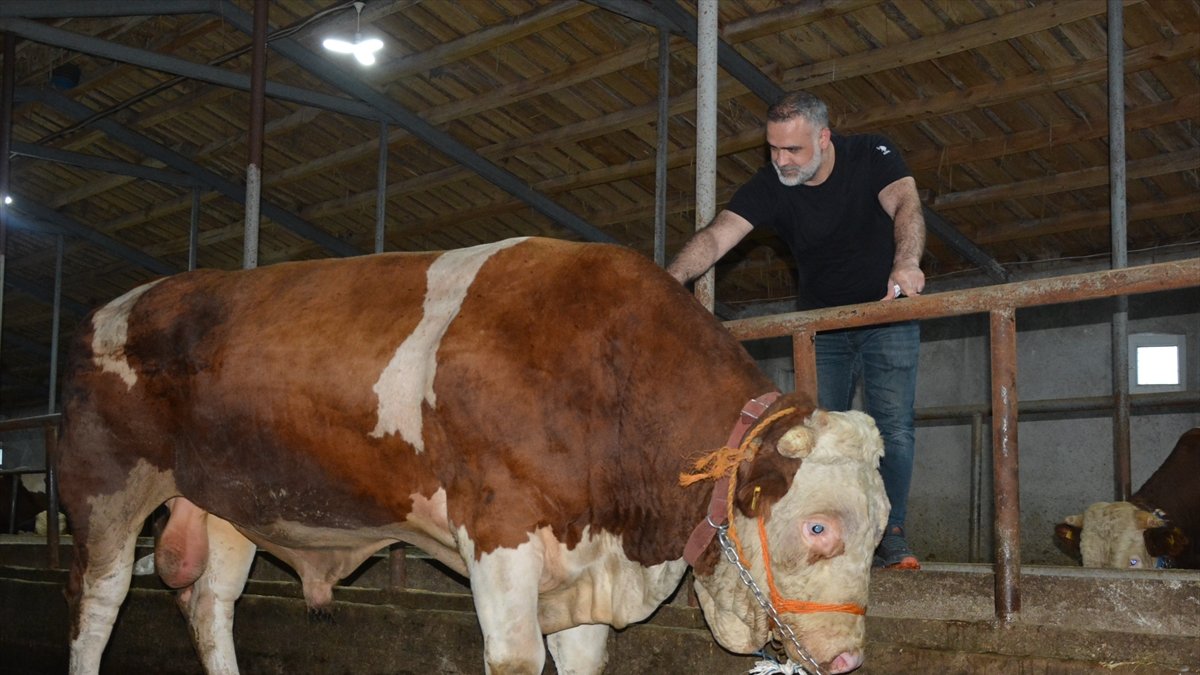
841, 238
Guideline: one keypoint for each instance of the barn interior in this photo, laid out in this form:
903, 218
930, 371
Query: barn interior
1041, 153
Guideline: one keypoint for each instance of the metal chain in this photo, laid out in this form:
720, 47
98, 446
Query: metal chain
732, 556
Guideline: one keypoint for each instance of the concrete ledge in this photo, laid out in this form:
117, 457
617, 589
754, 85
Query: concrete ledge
938, 620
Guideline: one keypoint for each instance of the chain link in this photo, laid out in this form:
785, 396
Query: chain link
732, 556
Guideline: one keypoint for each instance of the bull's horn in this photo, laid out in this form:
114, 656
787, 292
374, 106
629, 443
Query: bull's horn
1146, 520
1074, 521
798, 442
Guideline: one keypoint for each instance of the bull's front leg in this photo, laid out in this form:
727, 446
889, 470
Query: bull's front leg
581, 650
504, 584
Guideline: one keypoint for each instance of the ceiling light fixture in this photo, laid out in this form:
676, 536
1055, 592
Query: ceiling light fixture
363, 50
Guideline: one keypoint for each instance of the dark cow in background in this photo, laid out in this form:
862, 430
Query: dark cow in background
1158, 527
522, 410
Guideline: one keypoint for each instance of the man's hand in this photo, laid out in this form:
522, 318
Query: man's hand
905, 280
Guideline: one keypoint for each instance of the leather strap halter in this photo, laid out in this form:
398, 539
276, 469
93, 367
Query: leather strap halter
718, 505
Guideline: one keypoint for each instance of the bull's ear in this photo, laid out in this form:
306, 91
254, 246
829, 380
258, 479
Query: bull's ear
1074, 521
1066, 538
798, 442
1168, 541
1146, 520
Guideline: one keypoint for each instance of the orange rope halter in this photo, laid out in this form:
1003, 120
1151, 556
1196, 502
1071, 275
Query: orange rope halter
785, 606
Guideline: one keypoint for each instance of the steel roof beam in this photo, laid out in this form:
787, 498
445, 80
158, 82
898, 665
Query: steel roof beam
53, 222
68, 9
147, 147
86, 161
26, 287
441, 141
38, 32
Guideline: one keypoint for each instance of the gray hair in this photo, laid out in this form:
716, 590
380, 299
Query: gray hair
799, 104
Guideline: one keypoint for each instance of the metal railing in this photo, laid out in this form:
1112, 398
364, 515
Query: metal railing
974, 415
49, 425
1000, 303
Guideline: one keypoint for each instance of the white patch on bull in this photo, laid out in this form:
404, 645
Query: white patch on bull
110, 331
591, 582
407, 381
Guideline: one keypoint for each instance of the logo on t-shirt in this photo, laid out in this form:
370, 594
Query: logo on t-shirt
883, 149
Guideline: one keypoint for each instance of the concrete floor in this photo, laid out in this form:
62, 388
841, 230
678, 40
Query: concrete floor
938, 620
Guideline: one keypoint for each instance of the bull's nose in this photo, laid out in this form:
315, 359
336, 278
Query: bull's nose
846, 662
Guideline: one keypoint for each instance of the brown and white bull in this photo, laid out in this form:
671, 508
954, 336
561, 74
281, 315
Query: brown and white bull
1159, 527
522, 411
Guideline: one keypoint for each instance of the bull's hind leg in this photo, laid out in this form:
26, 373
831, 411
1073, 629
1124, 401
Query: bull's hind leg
208, 603
100, 574
581, 650
105, 528
504, 584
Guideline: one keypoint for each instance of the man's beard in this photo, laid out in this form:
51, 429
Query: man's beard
794, 175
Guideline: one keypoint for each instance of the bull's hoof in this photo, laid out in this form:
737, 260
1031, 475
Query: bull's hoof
320, 615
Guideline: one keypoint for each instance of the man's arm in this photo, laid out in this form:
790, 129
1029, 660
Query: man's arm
900, 200
708, 245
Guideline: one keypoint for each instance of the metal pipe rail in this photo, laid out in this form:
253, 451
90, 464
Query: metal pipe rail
1001, 303
973, 414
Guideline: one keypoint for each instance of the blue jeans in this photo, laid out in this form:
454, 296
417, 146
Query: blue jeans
886, 359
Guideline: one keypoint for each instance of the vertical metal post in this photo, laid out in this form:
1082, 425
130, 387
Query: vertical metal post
397, 567
706, 135
12, 510
52, 507
258, 80
7, 96
974, 529
1122, 473
660, 156
381, 188
54, 325
1006, 488
804, 364
194, 230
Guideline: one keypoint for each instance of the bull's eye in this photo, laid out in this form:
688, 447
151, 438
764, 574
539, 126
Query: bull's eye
1134, 562
816, 528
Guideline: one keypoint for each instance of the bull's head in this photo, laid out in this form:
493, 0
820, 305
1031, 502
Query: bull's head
1119, 535
815, 483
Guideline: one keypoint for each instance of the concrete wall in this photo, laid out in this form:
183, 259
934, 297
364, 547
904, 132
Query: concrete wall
1066, 460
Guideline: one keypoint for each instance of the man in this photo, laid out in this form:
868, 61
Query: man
848, 209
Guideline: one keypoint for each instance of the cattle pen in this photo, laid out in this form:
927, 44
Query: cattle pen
1044, 137
995, 617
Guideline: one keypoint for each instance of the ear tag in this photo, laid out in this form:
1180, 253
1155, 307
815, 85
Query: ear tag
754, 499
